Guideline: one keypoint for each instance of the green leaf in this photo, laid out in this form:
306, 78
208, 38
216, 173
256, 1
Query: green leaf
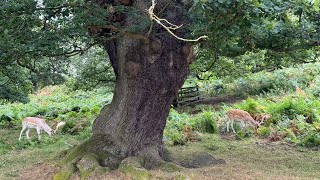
256, 3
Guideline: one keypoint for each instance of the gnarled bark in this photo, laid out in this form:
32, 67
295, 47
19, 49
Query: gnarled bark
147, 83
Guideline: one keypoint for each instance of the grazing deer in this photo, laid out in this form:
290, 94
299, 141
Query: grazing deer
243, 117
39, 124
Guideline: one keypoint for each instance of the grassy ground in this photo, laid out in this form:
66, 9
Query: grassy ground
20, 160
245, 159
255, 159
249, 158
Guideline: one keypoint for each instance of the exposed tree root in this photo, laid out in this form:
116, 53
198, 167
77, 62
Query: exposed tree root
101, 155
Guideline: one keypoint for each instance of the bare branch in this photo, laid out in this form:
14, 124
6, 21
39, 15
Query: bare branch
172, 26
73, 52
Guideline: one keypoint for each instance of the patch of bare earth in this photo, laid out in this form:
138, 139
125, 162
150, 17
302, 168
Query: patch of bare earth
38, 172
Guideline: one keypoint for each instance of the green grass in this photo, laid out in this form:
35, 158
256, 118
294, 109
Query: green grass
17, 156
254, 157
244, 159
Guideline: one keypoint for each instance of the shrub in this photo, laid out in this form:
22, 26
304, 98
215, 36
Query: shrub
311, 138
71, 114
251, 106
7, 117
205, 122
281, 80
68, 126
202, 122
263, 131
95, 109
290, 136
240, 135
174, 137
85, 109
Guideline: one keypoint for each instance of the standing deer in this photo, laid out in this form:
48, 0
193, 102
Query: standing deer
39, 124
244, 118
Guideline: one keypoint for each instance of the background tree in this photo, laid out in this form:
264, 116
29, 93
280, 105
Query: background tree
92, 70
249, 37
14, 84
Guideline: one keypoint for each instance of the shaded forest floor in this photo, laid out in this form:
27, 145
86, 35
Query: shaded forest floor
245, 159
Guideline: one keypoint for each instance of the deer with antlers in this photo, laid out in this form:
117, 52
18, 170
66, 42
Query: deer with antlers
39, 124
244, 118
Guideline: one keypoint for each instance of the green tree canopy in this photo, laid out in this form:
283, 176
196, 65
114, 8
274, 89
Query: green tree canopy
277, 33
39, 35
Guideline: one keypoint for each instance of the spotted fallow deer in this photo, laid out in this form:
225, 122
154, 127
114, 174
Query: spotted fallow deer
244, 118
39, 124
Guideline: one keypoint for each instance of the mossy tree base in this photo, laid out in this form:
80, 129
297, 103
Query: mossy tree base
100, 155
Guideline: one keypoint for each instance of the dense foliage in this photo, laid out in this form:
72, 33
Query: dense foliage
89, 72
251, 35
14, 84
37, 37
289, 95
57, 102
305, 76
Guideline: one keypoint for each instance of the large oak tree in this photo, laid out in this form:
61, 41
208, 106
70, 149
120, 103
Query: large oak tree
149, 63
150, 67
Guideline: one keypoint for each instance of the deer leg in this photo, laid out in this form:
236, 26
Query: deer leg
228, 124
243, 125
23, 128
232, 127
39, 132
255, 130
27, 133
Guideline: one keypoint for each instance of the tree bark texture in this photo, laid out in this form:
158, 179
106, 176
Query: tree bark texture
148, 77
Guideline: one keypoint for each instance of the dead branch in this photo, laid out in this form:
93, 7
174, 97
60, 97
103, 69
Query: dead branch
171, 26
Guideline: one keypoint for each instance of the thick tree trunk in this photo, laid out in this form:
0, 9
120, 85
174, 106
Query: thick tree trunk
148, 77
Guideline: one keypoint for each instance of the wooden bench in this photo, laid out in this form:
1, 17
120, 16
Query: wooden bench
187, 96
